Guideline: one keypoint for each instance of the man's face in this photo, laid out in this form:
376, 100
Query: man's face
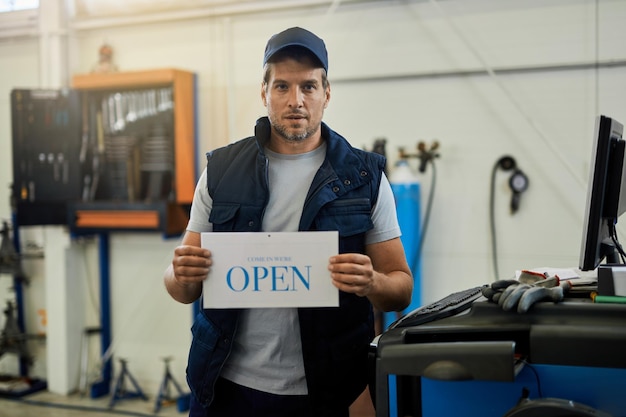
295, 99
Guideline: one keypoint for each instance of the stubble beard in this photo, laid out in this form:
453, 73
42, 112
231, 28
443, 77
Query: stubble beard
283, 131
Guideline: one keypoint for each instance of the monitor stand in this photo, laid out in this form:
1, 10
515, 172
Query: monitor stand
609, 251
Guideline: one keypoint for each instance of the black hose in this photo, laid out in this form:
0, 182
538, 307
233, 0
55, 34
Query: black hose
492, 221
429, 203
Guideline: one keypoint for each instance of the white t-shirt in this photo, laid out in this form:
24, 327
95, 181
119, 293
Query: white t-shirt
267, 352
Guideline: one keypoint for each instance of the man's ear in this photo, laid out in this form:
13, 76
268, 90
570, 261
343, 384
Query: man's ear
327, 96
263, 94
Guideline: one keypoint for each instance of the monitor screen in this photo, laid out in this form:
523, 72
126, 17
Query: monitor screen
606, 196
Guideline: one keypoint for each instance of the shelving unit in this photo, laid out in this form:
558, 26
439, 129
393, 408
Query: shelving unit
167, 208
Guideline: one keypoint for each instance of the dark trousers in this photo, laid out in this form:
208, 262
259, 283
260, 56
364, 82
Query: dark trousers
232, 400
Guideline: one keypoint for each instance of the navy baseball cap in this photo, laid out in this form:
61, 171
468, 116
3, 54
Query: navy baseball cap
297, 37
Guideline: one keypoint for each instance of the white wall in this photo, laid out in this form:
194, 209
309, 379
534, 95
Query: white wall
400, 70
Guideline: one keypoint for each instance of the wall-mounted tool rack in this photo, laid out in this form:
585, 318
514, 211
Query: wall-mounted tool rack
114, 152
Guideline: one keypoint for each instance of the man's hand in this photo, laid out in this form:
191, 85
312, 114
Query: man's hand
353, 273
191, 264
381, 274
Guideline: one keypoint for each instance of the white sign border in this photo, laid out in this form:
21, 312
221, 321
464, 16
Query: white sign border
270, 249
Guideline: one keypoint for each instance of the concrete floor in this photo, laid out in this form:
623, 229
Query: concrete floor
46, 404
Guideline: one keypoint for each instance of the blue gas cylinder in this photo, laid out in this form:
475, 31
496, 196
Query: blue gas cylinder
406, 189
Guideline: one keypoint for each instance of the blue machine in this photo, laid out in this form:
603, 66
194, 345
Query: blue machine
478, 362
600, 388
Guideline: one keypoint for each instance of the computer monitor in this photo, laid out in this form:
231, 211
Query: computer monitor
606, 196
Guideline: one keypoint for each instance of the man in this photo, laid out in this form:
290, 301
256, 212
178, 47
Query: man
294, 174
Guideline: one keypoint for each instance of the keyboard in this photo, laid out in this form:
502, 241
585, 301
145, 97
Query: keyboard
447, 306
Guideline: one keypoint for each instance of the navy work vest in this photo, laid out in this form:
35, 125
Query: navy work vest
335, 341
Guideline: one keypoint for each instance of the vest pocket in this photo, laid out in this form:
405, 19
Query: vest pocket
200, 374
222, 216
350, 216
235, 217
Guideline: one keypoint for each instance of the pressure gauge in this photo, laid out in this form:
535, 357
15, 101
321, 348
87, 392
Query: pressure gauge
518, 181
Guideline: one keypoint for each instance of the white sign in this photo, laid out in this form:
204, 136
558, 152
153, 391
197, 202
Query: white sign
270, 270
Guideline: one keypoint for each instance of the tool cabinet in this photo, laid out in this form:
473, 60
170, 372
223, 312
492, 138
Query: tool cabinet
114, 152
